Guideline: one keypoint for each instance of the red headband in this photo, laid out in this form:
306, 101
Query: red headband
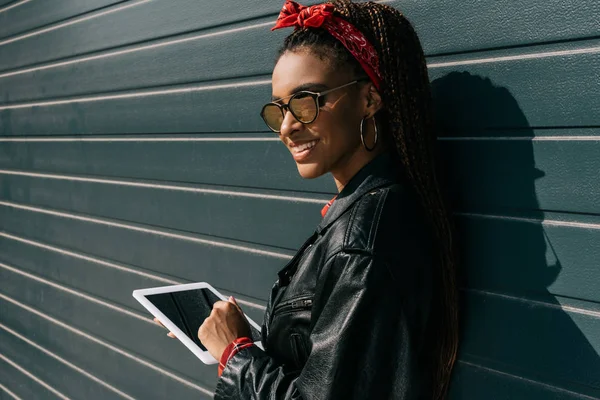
321, 15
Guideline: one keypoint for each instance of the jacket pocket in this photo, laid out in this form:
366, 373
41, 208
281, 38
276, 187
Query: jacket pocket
299, 349
296, 304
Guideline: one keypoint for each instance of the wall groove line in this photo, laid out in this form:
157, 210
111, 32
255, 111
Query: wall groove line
521, 138
161, 42
9, 392
518, 57
74, 21
141, 138
13, 5
270, 137
80, 294
114, 265
33, 377
530, 381
148, 91
95, 260
570, 309
66, 362
158, 232
110, 346
108, 54
138, 93
118, 266
171, 187
546, 222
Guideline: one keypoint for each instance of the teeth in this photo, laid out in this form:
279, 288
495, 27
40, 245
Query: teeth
305, 146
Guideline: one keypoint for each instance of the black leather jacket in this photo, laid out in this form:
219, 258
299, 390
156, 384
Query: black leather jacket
346, 316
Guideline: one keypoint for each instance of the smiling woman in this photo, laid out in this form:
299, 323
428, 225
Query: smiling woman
367, 309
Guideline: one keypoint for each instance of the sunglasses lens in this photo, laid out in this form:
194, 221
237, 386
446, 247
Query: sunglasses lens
273, 116
304, 108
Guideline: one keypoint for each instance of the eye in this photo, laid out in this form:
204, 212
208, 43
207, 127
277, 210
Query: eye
302, 95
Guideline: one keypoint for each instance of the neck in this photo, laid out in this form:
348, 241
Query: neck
354, 163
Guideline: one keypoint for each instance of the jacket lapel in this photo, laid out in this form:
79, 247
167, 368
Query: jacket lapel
381, 171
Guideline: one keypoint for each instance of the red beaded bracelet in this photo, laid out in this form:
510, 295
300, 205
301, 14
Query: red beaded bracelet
232, 349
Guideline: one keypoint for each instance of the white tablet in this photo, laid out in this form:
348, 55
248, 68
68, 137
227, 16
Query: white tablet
183, 308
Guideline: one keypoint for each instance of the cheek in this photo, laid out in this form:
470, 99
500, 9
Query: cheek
338, 129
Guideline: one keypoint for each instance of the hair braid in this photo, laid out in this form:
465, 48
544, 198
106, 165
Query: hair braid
407, 119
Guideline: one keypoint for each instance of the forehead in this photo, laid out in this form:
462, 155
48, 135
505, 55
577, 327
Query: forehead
296, 69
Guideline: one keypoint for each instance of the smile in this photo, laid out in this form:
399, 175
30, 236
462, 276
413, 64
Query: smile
302, 151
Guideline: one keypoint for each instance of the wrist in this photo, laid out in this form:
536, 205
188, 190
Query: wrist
231, 350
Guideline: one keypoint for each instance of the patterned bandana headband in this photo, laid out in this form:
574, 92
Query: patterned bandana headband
321, 16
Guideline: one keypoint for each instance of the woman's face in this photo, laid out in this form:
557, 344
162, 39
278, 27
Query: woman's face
335, 133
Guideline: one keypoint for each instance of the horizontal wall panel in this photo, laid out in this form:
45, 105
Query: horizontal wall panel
443, 26
509, 256
131, 22
549, 342
38, 13
183, 257
510, 89
446, 26
257, 219
133, 335
77, 273
121, 371
20, 385
170, 65
66, 380
559, 174
517, 93
134, 113
176, 61
526, 256
237, 161
553, 172
83, 272
472, 382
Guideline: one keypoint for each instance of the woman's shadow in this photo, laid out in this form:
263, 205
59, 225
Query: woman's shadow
512, 324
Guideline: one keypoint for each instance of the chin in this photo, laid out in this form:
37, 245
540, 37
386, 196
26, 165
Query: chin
310, 171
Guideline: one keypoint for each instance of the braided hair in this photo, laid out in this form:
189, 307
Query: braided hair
407, 122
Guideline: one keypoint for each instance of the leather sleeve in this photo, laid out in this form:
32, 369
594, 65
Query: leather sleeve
362, 341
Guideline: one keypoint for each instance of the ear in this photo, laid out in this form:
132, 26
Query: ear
373, 101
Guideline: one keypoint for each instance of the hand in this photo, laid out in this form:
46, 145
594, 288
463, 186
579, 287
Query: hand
170, 334
225, 324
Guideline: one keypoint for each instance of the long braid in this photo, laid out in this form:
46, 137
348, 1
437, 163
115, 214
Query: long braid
406, 96
407, 119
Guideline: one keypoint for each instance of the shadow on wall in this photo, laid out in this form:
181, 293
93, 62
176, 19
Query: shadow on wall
511, 321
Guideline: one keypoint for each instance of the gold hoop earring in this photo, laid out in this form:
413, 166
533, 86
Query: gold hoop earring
362, 134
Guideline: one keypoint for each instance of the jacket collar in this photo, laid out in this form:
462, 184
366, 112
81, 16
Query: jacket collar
381, 171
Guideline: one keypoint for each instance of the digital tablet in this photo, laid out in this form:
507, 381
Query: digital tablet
183, 308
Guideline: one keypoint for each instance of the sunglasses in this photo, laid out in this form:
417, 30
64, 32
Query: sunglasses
303, 105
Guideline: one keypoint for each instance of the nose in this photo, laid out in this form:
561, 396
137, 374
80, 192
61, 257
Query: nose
289, 124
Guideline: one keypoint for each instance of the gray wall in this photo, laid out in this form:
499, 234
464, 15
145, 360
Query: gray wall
132, 155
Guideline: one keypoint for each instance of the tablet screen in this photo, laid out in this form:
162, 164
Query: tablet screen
188, 309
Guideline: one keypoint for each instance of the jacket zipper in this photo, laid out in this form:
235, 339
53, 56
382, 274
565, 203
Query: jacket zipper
293, 305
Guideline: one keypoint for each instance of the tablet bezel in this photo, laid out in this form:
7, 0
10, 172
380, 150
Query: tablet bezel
204, 356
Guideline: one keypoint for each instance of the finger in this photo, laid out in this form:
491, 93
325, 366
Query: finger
219, 304
158, 322
171, 335
235, 303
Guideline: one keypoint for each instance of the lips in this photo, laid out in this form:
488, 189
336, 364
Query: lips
303, 150
304, 146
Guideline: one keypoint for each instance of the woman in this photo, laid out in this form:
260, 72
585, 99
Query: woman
367, 309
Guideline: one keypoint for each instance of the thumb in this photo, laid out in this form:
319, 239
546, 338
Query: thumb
233, 301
